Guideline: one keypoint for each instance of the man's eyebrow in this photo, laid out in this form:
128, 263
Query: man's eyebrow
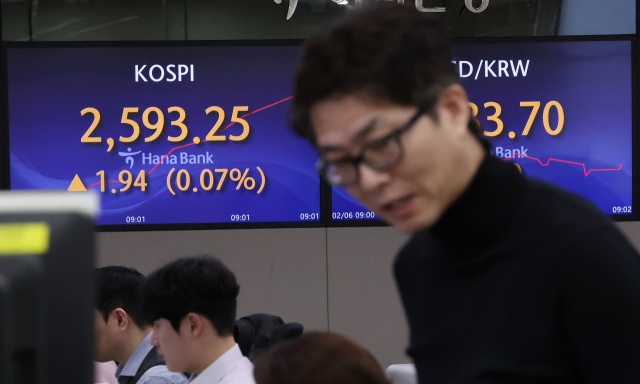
365, 130
356, 138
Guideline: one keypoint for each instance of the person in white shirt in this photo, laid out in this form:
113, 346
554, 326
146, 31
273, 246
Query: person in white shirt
105, 373
192, 305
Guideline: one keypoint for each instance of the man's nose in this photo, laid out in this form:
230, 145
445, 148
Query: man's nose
370, 179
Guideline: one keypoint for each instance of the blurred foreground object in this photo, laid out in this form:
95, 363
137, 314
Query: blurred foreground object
402, 374
46, 286
318, 358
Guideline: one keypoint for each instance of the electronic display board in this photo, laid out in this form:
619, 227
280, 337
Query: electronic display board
168, 134
561, 110
193, 134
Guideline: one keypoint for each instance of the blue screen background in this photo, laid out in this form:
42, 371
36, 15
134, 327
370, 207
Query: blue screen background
592, 82
48, 87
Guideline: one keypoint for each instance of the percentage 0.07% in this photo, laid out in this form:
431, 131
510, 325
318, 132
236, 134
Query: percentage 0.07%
208, 180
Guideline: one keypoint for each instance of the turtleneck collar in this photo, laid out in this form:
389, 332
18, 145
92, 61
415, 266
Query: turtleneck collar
478, 218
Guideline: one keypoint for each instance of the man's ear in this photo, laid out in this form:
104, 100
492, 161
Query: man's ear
192, 324
121, 318
453, 108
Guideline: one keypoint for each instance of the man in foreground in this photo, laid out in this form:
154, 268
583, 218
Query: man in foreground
505, 279
192, 304
122, 334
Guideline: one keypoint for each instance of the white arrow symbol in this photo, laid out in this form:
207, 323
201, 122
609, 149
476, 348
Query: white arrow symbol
292, 7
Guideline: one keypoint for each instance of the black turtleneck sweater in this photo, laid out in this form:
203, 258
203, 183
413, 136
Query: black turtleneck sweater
520, 282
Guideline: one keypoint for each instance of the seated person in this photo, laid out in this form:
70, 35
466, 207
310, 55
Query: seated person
192, 304
318, 358
105, 373
122, 334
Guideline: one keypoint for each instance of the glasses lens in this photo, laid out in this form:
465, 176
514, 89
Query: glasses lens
340, 173
383, 153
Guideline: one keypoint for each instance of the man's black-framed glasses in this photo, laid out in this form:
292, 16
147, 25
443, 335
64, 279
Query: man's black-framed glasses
381, 155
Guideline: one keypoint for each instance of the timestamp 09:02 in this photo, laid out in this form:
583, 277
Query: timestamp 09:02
622, 209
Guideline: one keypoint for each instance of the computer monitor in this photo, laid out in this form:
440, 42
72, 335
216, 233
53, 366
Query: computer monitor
561, 109
46, 287
220, 153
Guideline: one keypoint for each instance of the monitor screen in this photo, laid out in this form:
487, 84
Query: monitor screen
167, 134
561, 110
46, 287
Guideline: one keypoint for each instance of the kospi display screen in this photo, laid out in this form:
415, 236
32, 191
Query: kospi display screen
167, 134
561, 110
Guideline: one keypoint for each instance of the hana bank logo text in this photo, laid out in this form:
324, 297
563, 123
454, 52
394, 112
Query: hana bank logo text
419, 5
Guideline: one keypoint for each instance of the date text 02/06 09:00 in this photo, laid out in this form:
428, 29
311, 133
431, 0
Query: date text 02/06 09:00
353, 215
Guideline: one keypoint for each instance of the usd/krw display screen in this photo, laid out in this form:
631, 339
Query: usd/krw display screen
168, 135
561, 111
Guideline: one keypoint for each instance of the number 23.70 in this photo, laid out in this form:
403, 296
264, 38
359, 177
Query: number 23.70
535, 108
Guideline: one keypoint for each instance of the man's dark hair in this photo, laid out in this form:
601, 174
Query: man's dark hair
318, 358
119, 287
203, 285
386, 52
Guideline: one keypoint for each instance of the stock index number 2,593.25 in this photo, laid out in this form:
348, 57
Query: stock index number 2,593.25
153, 118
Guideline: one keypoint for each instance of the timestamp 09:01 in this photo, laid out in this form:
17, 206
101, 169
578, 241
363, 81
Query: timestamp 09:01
134, 219
240, 218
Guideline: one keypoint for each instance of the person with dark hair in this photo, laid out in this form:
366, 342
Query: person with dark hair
192, 305
318, 358
121, 332
505, 279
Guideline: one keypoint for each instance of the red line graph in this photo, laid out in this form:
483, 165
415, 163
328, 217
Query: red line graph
190, 144
97, 182
225, 128
586, 171
168, 153
261, 109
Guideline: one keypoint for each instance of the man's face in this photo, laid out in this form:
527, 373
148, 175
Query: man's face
172, 346
415, 193
104, 337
